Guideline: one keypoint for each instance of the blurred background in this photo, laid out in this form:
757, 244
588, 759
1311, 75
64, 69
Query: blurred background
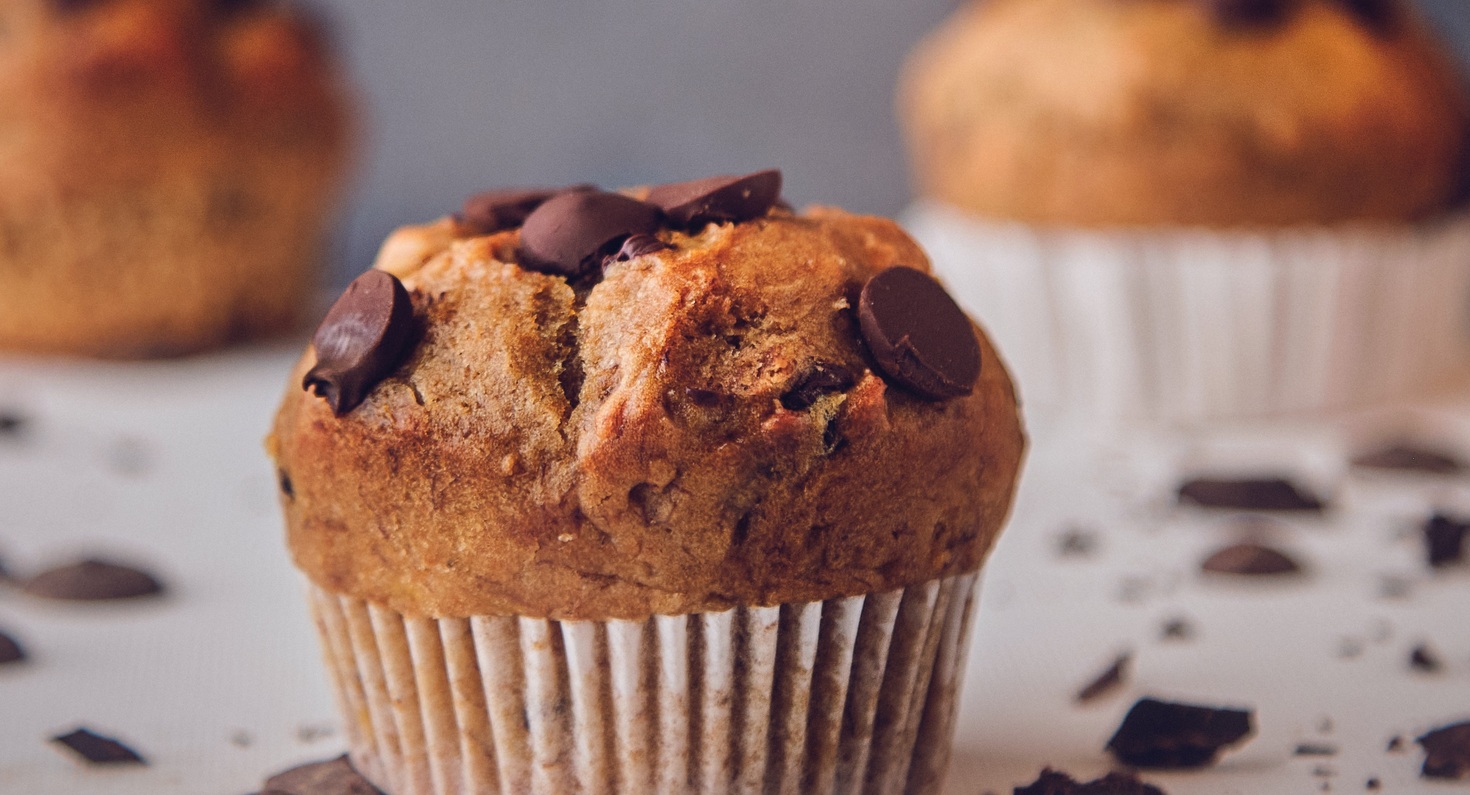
462, 95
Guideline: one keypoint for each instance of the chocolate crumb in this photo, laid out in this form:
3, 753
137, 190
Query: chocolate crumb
242, 739
1107, 681
1177, 629
1315, 749
1444, 540
1392, 586
1249, 494
1410, 458
284, 481
1251, 560
97, 749
1053, 782
12, 424
130, 456
1373, 784
1324, 726
1349, 649
10, 650
1423, 659
92, 580
1447, 752
1395, 745
1077, 543
1323, 771
1160, 734
331, 777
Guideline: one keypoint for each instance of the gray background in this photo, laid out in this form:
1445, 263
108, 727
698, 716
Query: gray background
464, 95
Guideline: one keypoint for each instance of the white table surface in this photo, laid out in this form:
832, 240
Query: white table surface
219, 684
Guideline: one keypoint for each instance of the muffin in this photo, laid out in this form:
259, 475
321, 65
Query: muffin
671, 489
1189, 210
167, 171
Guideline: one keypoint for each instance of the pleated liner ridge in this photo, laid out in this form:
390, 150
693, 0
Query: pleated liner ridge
850, 695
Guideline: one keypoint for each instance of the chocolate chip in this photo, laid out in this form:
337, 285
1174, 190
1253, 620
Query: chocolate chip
1249, 494
1107, 681
718, 199
332, 777
917, 334
10, 650
571, 232
1447, 752
1422, 658
1408, 458
1160, 734
364, 337
497, 210
1444, 540
1315, 749
822, 379
92, 580
1250, 560
1250, 12
99, 750
635, 247
1052, 782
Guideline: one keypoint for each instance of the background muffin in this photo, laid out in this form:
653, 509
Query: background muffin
656, 424
168, 169
1183, 210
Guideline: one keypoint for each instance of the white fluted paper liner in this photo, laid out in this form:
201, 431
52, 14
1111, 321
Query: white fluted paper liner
1185, 325
851, 695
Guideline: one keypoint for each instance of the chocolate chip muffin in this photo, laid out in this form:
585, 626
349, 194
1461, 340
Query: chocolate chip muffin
718, 463
167, 169
1212, 112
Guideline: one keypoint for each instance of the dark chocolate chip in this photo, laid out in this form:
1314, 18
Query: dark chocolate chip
1408, 458
364, 337
1250, 13
1160, 734
332, 777
571, 232
497, 210
917, 334
99, 750
1107, 681
92, 581
1444, 540
824, 378
718, 199
1315, 749
1249, 494
1052, 782
635, 247
1447, 752
1422, 658
10, 650
1176, 629
1250, 560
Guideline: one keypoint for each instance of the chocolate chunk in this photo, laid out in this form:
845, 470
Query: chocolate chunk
1422, 658
92, 580
1249, 494
332, 777
571, 232
635, 247
364, 337
10, 650
1408, 458
718, 199
1315, 749
1250, 12
822, 379
1160, 734
496, 210
1107, 681
917, 334
1444, 540
1177, 629
1447, 752
1052, 782
99, 750
1250, 560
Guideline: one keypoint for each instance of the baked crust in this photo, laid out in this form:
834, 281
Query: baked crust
168, 172
624, 451
1108, 112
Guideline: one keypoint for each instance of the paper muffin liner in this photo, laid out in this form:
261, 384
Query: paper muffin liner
1194, 324
850, 695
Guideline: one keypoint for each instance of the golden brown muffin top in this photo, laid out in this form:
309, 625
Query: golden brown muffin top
694, 423
1210, 112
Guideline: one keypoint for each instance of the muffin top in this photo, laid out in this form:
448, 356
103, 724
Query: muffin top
589, 405
1206, 112
112, 91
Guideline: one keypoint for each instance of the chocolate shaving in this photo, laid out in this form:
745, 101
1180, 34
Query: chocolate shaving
1160, 734
365, 336
1106, 682
92, 580
718, 199
331, 777
1249, 494
97, 749
1447, 752
918, 335
1252, 560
